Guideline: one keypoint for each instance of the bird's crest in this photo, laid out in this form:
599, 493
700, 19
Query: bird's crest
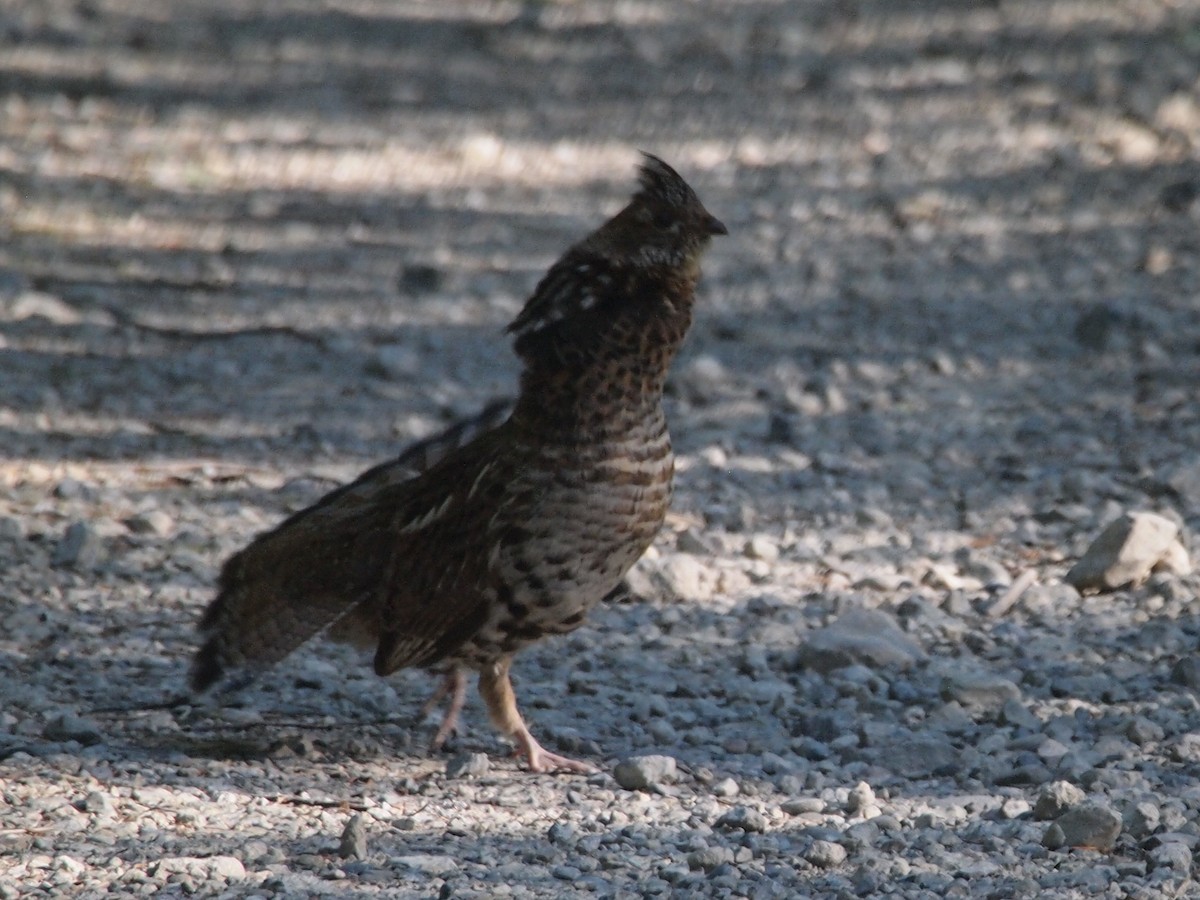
662, 183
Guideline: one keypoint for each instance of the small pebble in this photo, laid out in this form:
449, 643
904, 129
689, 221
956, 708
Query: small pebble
742, 818
709, 858
826, 854
1056, 798
1173, 855
70, 727
353, 844
468, 765
80, 547
860, 798
726, 787
155, 522
1093, 826
800, 805
644, 772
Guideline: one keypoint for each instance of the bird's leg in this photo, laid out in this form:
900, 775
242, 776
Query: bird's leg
455, 686
497, 692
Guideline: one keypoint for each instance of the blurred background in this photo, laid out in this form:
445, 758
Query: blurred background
250, 247
274, 231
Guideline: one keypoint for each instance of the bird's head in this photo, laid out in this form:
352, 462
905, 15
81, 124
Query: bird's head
664, 226
650, 249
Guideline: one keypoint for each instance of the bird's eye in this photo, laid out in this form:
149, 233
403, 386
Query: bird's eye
664, 220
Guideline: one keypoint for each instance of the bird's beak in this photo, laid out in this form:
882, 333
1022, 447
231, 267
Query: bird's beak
715, 226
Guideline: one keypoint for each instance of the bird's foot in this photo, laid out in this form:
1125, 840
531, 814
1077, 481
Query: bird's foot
541, 760
454, 686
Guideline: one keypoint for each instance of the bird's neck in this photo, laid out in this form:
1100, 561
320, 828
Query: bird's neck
606, 390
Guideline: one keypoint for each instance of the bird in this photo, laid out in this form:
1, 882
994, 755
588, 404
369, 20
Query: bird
470, 547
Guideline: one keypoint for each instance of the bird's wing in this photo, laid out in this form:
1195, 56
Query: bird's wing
440, 583
578, 282
374, 552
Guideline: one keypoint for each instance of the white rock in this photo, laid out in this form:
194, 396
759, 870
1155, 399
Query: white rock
642, 772
761, 547
1127, 551
682, 576
47, 306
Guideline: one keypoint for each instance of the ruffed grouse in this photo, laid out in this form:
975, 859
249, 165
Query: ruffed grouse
518, 532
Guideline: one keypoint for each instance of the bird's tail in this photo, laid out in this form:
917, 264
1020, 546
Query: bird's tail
314, 571
262, 613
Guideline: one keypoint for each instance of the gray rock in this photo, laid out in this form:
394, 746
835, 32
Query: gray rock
203, 868
1186, 672
800, 805
426, 863
70, 727
774, 764
97, 803
1054, 839
743, 818
80, 547
1050, 749
1184, 479
1014, 712
1173, 855
1056, 798
1142, 819
353, 844
1093, 826
826, 854
467, 765
694, 542
859, 636
982, 568
1126, 551
11, 528
73, 489
1144, 731
709, 858
643, 772
981, 692
917, 758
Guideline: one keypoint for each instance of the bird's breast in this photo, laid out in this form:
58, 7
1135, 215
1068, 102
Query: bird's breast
585, 517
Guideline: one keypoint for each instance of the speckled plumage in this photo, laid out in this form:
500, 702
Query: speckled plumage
518, 532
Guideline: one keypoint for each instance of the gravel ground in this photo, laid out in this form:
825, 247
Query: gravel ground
248, 249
